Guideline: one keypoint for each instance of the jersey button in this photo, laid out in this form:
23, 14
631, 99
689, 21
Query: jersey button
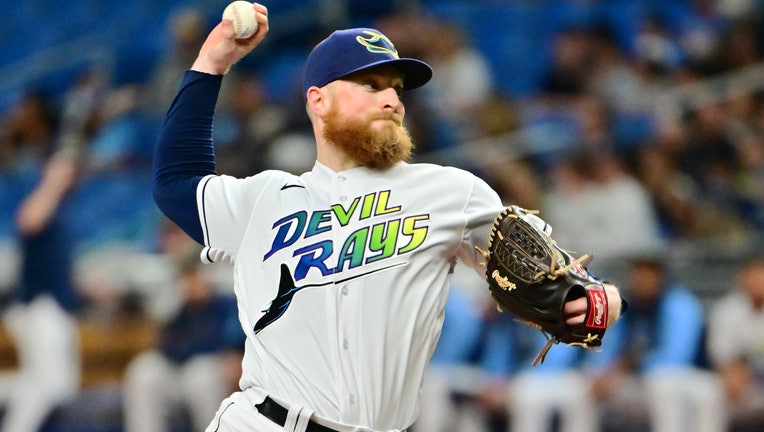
341, 178
343, 198
345, 344
344, 290
352, 399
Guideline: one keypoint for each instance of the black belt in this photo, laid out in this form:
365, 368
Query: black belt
278, 414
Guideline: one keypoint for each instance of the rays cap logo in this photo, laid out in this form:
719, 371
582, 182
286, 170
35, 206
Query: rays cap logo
347, 51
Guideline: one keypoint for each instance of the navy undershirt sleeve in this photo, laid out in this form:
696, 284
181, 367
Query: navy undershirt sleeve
184, 153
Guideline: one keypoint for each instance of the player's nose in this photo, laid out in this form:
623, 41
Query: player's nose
392, 100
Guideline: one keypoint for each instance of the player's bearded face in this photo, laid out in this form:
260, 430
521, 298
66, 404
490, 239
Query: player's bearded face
376, 141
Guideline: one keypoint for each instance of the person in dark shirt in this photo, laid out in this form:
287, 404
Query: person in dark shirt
653, 368
40, 317
195, 362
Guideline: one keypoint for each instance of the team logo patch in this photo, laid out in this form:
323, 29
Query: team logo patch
287, 290
377, 43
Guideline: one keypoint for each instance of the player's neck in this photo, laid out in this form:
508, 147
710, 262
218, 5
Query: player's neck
333, 158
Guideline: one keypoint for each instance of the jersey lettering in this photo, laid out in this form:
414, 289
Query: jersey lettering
383, 239
316, 220
417, 233
296, 220
313, 256
365, 245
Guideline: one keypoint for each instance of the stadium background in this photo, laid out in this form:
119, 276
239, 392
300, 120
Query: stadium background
690, 54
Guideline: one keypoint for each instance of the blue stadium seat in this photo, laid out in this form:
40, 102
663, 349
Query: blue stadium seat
113, 207
283, 75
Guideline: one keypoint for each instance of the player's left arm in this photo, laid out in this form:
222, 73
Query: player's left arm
481, 209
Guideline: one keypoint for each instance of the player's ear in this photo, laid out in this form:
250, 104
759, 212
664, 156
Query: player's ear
317, 101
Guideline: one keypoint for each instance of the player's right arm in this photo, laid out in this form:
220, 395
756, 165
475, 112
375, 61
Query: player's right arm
184, 152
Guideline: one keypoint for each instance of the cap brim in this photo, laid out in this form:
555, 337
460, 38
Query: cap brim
416, 73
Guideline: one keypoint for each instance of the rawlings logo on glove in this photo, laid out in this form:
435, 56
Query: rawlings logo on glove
532, 278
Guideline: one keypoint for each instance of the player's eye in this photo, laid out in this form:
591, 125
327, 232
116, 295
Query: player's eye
376, 85
370, 85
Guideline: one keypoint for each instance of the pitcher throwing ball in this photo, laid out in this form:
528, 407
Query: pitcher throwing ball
341, 273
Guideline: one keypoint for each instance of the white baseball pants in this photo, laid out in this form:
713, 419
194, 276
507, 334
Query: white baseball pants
47, 345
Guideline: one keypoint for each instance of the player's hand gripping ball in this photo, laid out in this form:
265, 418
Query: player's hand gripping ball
242, 15
532, 278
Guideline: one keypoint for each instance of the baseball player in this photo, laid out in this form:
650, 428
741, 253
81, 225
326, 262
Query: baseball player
341, 273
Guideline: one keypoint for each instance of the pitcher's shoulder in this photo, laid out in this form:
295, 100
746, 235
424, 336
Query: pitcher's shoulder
431, 169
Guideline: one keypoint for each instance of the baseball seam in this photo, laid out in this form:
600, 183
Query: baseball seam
237, 22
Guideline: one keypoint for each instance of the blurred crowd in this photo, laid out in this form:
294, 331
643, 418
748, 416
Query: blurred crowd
634, 135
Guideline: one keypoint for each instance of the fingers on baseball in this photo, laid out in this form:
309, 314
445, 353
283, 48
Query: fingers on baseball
261, 14
227, 30
261, 9
262, 29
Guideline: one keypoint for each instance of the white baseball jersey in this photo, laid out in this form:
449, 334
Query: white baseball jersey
342, 279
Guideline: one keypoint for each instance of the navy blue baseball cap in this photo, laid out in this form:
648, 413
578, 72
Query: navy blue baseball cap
347, 51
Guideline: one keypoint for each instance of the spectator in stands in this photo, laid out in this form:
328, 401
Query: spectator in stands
736, 346
186, 30
651, 367
82, 108
674, 195
751, 177
41, 318
27, 132
708, 153
464, 80
120, 142
518, 182
513, 395
738, 44
615, 79
246, 124
609, 204
557, 387
193, 367
572, 55
452, 379
502, 351
656, 48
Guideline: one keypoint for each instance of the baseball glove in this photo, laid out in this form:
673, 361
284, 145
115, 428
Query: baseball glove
530, 276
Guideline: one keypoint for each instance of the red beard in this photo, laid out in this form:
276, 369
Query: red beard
376, 149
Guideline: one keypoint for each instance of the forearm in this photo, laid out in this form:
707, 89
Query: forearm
184, 152
36, 211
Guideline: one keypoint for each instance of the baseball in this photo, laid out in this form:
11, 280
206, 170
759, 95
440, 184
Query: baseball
242, 14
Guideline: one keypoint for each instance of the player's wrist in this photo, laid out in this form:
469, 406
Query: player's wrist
616, 304
204, 65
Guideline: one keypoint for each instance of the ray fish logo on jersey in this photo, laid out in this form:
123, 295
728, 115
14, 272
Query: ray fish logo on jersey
376, 235
377, 43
